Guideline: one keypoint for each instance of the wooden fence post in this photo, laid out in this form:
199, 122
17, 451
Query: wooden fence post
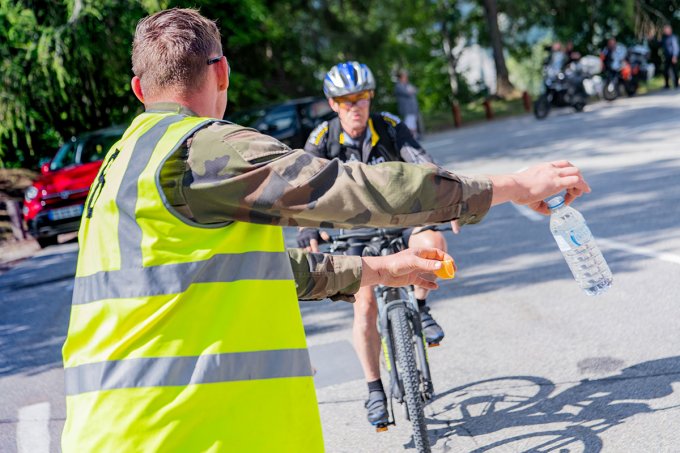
488, 111
527, 101
13, 208
457, 119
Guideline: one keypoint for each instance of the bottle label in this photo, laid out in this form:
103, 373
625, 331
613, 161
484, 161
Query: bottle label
573, 238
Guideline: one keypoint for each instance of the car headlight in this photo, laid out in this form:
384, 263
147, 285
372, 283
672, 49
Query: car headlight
31, 193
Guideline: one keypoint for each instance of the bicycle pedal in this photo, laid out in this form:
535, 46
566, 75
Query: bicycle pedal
432, 345
380, 428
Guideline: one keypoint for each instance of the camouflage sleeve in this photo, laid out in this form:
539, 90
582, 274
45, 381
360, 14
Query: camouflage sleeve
235, 173
320, 276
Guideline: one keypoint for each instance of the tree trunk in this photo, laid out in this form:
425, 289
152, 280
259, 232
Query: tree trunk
503, 85
450, 59
452, 62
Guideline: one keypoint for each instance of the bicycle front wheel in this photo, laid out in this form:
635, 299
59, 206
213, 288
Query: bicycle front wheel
408, 372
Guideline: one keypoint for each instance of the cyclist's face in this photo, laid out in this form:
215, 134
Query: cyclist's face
353, 109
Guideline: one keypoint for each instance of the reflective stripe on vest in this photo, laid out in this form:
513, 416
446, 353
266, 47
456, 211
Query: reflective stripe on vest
171, 371
176, 278
182, 336
129, 232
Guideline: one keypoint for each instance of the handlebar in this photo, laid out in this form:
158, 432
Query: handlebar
388, 233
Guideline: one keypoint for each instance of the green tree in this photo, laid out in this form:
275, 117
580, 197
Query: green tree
65, 69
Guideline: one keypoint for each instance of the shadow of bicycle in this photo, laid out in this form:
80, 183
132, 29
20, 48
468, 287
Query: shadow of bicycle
547, 419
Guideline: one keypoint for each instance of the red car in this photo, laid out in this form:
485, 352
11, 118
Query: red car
54, 203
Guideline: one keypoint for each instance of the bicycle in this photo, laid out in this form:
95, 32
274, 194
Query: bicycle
403, 342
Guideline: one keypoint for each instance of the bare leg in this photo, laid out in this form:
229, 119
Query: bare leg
428, 239
365, 333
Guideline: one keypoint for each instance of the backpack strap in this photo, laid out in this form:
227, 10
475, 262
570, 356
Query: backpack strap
334, 146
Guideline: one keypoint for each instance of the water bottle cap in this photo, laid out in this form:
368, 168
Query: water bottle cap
555, 202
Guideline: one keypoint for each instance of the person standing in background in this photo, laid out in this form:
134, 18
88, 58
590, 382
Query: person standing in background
407, 103
671, 49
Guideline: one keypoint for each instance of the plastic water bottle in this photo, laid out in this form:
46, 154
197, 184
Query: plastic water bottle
576, 243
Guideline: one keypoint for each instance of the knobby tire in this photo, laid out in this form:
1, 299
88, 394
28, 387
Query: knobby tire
410, 376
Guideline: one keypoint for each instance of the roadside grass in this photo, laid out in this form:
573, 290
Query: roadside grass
473, 112
653, 85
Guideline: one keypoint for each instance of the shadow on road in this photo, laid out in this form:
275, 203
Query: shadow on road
584, 410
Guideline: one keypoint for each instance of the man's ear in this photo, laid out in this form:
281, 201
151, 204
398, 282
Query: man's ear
333, 104
136, 85
222, 68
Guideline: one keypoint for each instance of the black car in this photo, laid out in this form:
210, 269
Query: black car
290, 122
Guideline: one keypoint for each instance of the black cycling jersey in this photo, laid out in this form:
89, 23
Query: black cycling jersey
386, 139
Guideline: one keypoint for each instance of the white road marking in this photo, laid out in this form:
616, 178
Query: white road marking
33, 434
644, 251
609, 243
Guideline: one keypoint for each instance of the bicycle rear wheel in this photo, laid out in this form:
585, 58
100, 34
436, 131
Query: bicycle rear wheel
408, 372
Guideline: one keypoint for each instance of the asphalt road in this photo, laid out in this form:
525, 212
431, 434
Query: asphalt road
529, 362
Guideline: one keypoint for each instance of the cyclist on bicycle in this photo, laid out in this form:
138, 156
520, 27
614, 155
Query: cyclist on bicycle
372, 138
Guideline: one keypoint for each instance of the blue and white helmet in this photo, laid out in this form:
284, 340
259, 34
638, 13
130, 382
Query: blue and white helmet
348, 78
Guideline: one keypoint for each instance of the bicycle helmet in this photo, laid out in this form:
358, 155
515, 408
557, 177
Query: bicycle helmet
348, 78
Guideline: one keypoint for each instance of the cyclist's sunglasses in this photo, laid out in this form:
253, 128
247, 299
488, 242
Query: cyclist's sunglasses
216, 59
360, 100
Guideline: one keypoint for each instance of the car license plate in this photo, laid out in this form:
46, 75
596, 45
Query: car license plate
65, 213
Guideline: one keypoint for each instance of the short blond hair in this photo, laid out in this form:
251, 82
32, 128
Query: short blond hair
171, 49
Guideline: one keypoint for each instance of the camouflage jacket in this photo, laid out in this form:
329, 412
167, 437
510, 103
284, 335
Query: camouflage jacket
226, 172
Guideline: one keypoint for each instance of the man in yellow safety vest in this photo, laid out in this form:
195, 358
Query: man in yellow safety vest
185, 332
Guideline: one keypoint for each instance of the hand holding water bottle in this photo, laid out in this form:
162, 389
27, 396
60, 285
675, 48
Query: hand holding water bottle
531, 186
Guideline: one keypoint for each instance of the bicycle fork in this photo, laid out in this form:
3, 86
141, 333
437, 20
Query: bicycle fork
388, 299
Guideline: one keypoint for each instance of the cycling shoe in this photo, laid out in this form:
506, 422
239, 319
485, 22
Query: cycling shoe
433, 332
376, 405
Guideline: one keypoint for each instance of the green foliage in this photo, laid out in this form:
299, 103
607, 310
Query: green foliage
587, 23
64, 69
527, 73
65, 64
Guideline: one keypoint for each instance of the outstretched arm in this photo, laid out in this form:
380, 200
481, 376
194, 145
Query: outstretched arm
233, 173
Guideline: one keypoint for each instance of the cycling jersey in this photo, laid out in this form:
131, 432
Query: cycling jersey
386, 139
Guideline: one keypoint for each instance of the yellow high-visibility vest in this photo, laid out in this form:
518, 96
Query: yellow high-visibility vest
182, 337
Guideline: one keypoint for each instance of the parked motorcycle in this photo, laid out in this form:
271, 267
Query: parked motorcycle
640, 68
628, 68
567, 87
